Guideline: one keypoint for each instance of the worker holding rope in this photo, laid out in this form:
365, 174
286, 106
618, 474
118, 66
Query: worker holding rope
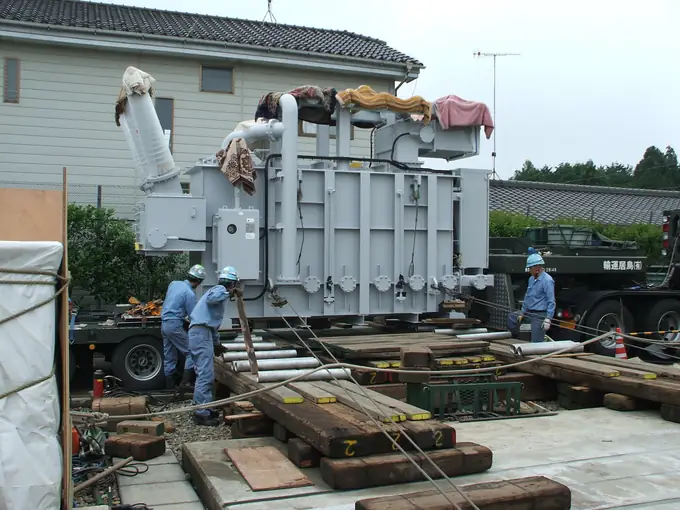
204, 342
539, 302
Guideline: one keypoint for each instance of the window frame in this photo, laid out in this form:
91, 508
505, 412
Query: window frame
332, 136
17, 85
172, 119
224, 68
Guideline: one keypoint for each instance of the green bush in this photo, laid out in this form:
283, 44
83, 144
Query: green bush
648, 237
103, 261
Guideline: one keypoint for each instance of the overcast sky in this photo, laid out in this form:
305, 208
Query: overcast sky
595, 79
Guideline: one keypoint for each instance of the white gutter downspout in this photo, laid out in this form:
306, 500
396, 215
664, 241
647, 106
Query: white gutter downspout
289, 165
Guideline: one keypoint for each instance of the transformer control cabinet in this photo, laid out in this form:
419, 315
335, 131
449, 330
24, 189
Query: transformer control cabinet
238, 241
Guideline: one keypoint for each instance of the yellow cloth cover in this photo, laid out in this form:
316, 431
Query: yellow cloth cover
367, 98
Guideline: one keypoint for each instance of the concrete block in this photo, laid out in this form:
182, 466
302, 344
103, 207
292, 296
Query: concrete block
155, 494
156, 474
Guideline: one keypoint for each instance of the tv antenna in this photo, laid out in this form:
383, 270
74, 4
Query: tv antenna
270, 13
481, 54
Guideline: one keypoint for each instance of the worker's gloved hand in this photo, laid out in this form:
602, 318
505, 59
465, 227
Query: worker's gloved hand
546, 324
219, 349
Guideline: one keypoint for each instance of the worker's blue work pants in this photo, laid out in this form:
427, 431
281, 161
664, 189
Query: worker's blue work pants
536, 319
202, 354
175, 340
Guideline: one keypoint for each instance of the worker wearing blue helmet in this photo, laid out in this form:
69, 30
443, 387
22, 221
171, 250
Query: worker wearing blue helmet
204, 342
539, 301
178, 304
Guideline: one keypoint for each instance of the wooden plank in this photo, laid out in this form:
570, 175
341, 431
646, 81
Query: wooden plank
245, 330
32, 215
266, 468
361, 403
659, 370
395, 468
280, 393
664, 391
517, 494
411, 412
312, 393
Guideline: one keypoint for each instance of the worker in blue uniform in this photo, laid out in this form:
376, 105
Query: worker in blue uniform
539, 301
179, 302
204, 342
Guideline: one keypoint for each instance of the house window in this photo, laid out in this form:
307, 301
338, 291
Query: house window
12, 80
217, 79
165, 109
307, 129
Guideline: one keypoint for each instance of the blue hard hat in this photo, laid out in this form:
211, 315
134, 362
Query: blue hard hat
229, 273
535, 259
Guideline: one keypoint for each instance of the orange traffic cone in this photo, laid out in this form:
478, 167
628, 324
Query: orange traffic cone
620, 346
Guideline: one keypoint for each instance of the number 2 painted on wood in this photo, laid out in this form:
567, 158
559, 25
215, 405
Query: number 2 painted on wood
438, 437
372, 379
349, 449
396, 436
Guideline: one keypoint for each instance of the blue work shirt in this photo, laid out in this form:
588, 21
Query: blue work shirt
209, 310
540, 295
180, 301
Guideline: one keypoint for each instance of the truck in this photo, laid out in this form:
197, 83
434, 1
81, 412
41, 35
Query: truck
600, 285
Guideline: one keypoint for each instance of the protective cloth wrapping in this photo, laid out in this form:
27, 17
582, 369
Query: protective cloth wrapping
30, 451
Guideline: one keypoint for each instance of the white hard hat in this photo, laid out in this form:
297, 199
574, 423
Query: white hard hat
229, 274
198, 272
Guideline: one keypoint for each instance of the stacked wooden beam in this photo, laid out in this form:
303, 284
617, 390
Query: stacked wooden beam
327, 426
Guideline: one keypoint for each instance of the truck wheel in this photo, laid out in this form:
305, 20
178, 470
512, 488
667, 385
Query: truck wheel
607, 316
664, 316
138, 363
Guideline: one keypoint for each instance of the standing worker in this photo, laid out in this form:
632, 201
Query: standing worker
539, 301
179, 302
204, 342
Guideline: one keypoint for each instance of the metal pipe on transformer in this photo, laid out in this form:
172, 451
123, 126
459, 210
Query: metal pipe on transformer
321, 375
276, 364
289, 164
243, 355
496, 335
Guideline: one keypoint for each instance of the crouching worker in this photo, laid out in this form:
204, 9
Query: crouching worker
204, 342
179, 302
539, 302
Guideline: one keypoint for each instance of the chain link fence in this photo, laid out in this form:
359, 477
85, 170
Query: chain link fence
122, 199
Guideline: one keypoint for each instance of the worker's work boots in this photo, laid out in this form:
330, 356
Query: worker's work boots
213, 420
188, 378
170, 381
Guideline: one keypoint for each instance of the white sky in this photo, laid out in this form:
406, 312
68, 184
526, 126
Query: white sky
596, 79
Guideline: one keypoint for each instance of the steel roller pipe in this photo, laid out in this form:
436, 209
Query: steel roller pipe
500, 335
472, 331
321, 375
546, 347
241, 346
277, 364
243, 355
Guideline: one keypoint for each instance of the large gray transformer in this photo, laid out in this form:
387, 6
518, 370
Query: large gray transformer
323, 236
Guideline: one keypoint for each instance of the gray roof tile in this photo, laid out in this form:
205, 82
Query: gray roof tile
138, 20
547, 201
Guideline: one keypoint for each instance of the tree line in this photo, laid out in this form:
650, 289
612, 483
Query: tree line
657, 170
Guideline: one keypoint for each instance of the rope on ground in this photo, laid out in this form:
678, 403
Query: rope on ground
64, 281
380, 426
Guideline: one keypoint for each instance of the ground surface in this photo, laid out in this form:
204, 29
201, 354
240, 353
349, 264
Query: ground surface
610, 460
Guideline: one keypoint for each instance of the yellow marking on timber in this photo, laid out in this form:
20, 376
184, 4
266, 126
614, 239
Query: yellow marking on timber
444, 362
488, 357
420, 416
380, 364
613, 373
458, 361
438, 436
372, 379
396, 436
326, 400
474, 359
395, 418
293, 400
395, 364
349, 449
649, 376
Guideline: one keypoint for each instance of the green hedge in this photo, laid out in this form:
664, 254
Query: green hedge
103, 261
648, 237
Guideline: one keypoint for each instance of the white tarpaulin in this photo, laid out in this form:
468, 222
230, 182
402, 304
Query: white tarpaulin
30, 451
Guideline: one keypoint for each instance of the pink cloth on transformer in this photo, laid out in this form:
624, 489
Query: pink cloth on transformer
453, 111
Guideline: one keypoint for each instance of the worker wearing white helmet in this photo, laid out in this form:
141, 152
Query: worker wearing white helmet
204, 341
179, 302
539, 301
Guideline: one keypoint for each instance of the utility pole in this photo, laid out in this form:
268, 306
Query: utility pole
480, 54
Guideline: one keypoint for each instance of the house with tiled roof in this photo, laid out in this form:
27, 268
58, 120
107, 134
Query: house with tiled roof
549, 201
62, 62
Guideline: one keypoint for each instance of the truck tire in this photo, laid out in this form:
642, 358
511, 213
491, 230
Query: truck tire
607, 316
138, 363
665, 315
